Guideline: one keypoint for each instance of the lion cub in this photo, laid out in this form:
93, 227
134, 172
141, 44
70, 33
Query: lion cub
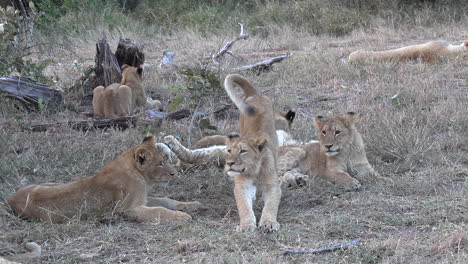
251, 157
121, 99
122, 185
338, 153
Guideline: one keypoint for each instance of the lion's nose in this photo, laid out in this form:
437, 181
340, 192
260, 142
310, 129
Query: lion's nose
230, 163
328, 146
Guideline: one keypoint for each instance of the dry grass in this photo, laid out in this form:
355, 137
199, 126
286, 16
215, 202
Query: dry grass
418, 139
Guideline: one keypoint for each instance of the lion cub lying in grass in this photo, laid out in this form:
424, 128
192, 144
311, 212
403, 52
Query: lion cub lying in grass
428, 52
122, 185
339, 153
121, 99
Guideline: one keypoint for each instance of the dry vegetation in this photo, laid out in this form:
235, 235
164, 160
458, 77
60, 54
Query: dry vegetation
414, 120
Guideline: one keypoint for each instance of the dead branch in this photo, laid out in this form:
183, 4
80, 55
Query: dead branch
181, 114
322, 250
229, 45
263, 66
30, 94
120, 123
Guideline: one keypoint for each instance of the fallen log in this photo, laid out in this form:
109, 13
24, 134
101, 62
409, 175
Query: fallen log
88, 125
177, 115
263, 66
30, 94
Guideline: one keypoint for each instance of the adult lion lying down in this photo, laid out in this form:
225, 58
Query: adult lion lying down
428, 52
122, 186
121, 99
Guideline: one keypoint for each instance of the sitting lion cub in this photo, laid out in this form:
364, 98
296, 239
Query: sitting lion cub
338, 153
121, 99
122, 185
428, 52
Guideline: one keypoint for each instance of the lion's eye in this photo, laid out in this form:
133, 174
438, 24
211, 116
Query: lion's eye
324, 132
242, 151
337, 132
229, 151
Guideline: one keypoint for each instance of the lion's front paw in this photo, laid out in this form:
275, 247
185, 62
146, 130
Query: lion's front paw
268, 226
354, 185
191, 206
246, 228
295, 178
181, 216
169, 139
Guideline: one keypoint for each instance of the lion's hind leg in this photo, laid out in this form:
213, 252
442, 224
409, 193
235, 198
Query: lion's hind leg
286, 166
150, 214
195, 155
98, 107
173, 204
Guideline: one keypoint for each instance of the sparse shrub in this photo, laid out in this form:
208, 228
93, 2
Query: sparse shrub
15, 46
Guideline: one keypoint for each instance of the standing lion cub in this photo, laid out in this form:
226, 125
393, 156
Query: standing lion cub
122, 186
251, 157
121, 99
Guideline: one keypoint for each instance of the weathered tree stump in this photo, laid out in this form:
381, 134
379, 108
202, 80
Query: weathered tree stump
107, 67
128, 53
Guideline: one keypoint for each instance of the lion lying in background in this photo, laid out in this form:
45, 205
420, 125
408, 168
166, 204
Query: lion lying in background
121, 99
122, 186
428, 52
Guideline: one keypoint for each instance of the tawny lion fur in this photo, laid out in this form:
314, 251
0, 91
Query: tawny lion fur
251, 157
283, 122
339, 153
120, 99
430, 51
34, 250
121, 186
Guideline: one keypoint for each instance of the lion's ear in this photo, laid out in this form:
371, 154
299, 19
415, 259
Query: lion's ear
319, 121
125, 66
260, 142
351, 117
231, 137
142, 158
140, 70
149, 139
290, 115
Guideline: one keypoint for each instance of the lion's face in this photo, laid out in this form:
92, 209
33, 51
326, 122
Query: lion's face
151, 163
244, 156
335, 133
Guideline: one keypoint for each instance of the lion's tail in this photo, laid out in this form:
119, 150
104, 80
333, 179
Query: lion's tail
34, 251
239, 100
